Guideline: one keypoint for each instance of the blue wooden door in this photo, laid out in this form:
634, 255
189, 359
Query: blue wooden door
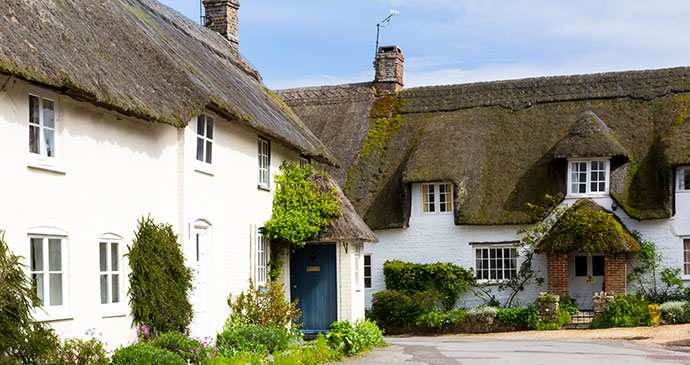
312, 281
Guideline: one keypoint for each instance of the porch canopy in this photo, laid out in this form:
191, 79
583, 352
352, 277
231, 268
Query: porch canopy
587, 227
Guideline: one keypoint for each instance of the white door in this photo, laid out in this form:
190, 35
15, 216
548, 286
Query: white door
586, 276
200, 245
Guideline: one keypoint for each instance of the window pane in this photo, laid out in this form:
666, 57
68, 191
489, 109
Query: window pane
367, 283
54, 255
200, 125
199, 149
37, 254
38, 283
367, 270
34, 137
209, 145
104, 289
103, 256
50, 142
116, 288
33, 110
580, 265
598, 265
114, 257
367, 259
55, 289
209, 127
48, 113
684, 179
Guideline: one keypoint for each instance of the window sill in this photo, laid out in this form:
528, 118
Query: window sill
204, 168
113, 315
491, 281
45, 166
263, 187
580, 196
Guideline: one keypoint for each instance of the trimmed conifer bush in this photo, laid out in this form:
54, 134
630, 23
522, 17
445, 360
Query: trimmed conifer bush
160, 283
22, 340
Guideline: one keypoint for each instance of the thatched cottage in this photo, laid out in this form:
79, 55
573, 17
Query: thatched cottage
444, 173
113, 110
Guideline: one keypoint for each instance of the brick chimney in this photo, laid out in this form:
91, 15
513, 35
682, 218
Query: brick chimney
221, 16
389, 69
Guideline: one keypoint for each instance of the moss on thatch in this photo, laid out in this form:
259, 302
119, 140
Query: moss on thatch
589, 137
496, 141
143, 59
587, 227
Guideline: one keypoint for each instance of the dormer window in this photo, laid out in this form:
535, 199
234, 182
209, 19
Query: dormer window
684, 179
437, 198
588, 177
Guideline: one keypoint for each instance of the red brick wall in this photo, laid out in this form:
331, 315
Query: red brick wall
616, 272
389, 70
221, 16
557, 279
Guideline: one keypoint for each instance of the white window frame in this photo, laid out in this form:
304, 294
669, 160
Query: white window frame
357, 258
111, 308
48, 312
502, 247
437, 198
264, 159
680, 184
41, 160
365, 271
685, 265
588, 189
262, 257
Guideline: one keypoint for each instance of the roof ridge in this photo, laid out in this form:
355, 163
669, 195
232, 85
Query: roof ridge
327, 94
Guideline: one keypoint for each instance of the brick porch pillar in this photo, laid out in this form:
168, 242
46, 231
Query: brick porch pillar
616, 272
557, 277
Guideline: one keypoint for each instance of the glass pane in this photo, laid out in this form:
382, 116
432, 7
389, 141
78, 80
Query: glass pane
50, 142
602, 186
37, 254
367, 282
199, 149
116, 288
33, 110
114, 257
209, 145
200, 125
55, 289
209, 128
38, 284
583, 188
598, 265
103, 255
580, 265
54, 255
367, 260
34, 138
593, 186
367, 270
104, 289
48, 113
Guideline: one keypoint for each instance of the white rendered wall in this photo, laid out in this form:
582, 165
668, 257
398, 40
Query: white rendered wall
350, 291
435, 238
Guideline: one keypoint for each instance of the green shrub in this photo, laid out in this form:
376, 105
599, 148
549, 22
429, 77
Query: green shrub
75, 351
22, 340
300, 209
569, 305
160, 282
144, 353
264, 306
447, 278
673, 312
241, 336
343, 338
524, 317
314, 352
624, 311
482, 316
562, 319
191, 350
369, 334
398, 309
440, 320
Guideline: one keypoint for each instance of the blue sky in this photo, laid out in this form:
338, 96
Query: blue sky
307, 43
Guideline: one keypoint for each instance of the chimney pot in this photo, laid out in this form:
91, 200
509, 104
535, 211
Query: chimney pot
221, 16
389, 69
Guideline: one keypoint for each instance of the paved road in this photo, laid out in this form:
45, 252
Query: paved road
508, 351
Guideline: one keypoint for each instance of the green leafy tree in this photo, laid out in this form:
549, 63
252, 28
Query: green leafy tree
160, 283
22, 339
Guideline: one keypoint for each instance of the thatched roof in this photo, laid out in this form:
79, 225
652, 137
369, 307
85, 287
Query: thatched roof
589, 137
143, 59
587, 227
494, 141
349, 226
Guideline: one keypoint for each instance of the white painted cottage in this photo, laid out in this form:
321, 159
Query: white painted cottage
444, 173
113, 110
